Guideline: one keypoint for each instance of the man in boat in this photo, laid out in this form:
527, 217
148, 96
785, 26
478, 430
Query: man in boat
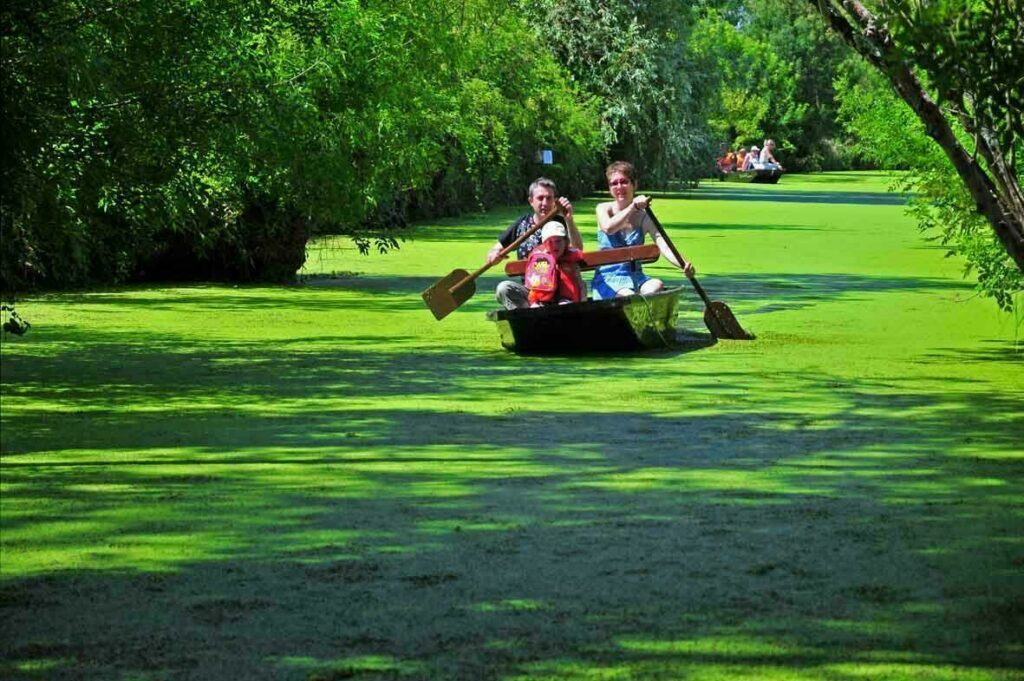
767, 158
542, 198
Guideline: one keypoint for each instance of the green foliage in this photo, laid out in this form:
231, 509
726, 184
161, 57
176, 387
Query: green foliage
756, 84
972, 51
654, 90
142, 134
777, 64
889, 133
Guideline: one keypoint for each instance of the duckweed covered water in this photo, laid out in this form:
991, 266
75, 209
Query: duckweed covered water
323, 482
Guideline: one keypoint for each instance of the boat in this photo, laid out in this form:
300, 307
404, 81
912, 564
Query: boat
757, 175
628, 323
620, 324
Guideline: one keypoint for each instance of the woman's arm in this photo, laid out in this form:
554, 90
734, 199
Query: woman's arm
686, 266
611, 222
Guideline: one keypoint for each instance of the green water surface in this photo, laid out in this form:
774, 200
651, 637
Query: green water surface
322, 482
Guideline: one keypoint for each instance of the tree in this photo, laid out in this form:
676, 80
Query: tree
636, 60
888, 133
777, 62
968, 52
141, 136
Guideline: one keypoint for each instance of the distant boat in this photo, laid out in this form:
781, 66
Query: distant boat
757, 175
619, 324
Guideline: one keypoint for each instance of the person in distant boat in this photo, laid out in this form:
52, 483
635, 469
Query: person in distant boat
542, 198
725, 159
727, 163
767, 157
552, 271
750, 159
624, 222
741, 157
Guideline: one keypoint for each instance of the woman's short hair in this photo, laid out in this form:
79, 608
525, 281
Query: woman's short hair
624, 167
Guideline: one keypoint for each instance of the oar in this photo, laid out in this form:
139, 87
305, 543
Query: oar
719, 319
451, 291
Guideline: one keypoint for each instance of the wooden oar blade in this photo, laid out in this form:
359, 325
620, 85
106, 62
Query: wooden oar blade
463, 289
722, 323
448, 293
716, 328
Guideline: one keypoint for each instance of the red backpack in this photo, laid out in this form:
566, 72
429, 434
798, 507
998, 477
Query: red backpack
542, 274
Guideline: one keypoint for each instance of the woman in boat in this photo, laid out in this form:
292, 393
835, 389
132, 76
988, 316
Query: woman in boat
741, 156
750, 159
624, 222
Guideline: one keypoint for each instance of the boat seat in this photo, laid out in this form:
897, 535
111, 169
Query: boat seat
592, 259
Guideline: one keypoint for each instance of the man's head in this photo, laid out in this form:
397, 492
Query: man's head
542, 195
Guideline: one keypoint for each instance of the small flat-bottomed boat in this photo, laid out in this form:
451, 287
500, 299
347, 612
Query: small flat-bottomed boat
758, 176
619, 324
628, 323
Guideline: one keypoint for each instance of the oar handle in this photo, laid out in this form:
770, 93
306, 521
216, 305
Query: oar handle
511, 247
699, 289
679, 258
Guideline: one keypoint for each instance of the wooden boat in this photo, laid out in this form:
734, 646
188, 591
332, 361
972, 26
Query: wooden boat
758, 175
629, 323
619, 324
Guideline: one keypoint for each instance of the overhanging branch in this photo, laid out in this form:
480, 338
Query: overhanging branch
870, 38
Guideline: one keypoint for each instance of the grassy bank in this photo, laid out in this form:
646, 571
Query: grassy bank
322, 482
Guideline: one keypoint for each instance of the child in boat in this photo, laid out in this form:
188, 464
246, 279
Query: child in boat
553, 271
624, 222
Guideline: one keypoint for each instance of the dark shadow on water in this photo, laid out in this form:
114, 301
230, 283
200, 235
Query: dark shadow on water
682, 229
758, 294
774, 292
563, 537
663, 529
992, 351
832, 177
686, 340
782, 196
786, 290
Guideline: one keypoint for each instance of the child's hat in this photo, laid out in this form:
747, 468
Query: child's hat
552, 228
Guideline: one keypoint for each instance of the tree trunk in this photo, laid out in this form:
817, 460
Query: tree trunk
870, 38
